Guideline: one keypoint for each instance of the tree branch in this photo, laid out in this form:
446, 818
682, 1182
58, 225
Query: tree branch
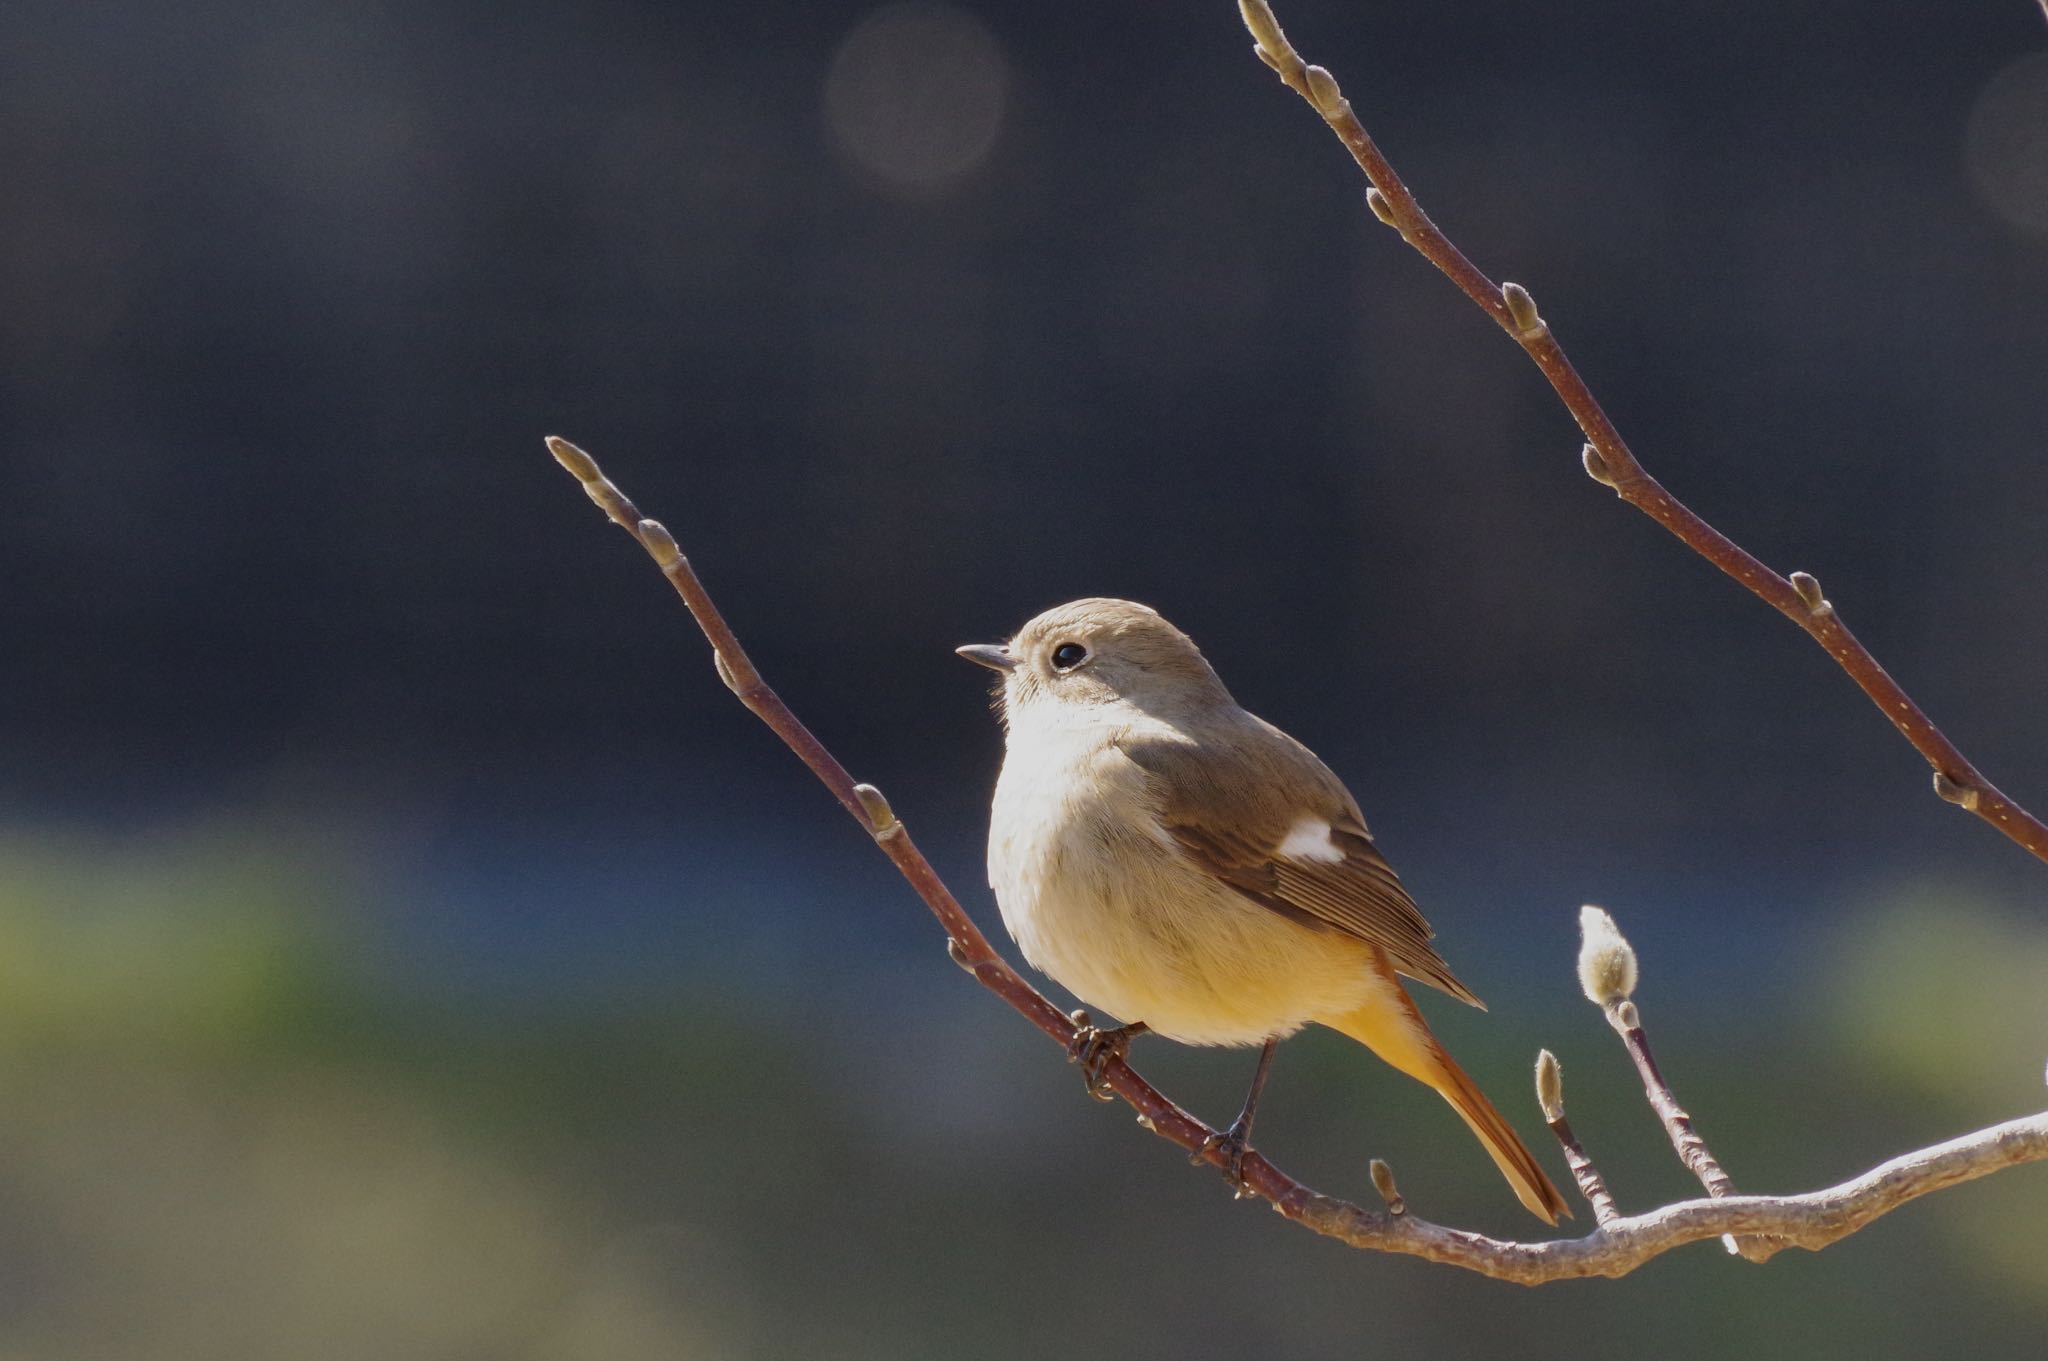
1810, 1221
1611, 462
1616, 1246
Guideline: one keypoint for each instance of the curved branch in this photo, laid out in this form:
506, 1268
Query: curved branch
1610, 461
1614, 1248
1810, 1221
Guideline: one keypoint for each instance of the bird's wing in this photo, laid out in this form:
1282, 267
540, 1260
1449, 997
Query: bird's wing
1305, 854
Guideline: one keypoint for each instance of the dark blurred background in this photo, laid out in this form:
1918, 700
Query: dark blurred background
407, 947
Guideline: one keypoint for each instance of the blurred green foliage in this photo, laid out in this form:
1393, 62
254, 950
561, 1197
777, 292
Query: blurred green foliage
1942, 999
222, 1138
226, 1131
199, 942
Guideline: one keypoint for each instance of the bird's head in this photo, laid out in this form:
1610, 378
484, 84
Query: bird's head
1091, 656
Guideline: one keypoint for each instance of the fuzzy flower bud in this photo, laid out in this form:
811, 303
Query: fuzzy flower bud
1383, 1182
1607, 962
1549, 1086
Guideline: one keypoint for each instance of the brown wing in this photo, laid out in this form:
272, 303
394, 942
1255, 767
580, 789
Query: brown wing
1219, 804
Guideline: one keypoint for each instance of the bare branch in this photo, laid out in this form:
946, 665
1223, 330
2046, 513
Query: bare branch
1610, 461
1810, 1221
1614, 1248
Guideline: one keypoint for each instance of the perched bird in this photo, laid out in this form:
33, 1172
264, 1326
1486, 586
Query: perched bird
1182, 864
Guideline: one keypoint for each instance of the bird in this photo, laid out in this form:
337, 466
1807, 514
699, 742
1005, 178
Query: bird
1177, 862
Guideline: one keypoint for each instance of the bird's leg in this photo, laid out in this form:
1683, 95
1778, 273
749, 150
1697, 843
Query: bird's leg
1093, 1048
1235, 1142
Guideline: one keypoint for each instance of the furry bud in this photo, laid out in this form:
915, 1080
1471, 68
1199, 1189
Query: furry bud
1549, 1086
1607, 962
1383, 1182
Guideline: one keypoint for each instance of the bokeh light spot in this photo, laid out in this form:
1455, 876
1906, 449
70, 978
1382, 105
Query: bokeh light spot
2006, 144
915, 95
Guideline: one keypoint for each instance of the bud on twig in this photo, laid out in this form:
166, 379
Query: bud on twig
1549, 1086
595, 484
1258, 17
662, 544
1607, 962
1381, 208
1809, 593
1323, 91
1383, 1182
1522, 308
1550, 1096
1961, 795
881, 817
1596, 467
581, 466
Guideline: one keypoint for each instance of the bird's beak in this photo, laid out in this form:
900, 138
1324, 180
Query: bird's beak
990, 655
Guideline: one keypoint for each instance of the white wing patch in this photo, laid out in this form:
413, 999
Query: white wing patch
1309, 839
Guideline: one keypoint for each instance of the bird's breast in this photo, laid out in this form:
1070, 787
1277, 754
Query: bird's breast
1071, 841
1099, 896
1067, 824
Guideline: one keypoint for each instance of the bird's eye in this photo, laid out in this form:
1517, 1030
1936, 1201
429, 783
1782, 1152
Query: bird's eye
1067, 656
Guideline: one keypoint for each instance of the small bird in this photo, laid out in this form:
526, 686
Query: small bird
1177, 862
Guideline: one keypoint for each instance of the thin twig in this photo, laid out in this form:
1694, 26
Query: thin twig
1550, 1097
1592, 1185
1609, 459
1685, 1137
1608, 974
1612, 1249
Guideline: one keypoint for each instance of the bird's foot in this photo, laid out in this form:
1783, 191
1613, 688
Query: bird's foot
1233, 1144
1093, 1047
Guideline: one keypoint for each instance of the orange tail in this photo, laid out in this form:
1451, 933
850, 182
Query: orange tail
1391, 1027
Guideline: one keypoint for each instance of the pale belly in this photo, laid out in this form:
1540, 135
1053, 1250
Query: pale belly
1107, 906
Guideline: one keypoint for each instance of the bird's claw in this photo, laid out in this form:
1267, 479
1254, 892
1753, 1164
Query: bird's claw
1093, 1047
1233, 1145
